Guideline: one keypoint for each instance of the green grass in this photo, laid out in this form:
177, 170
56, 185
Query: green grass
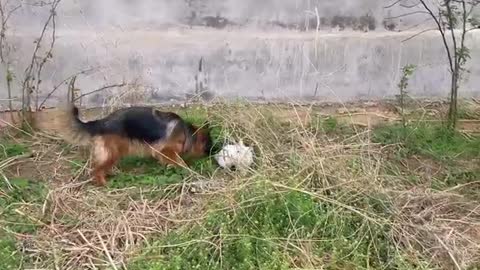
327, 125
21, 191
433, 141
267, 230
14, 194
10, 257
147, 172
449, 154
10, 149
14, 218
331, 127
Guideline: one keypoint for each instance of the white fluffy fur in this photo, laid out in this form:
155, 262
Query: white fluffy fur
235, 155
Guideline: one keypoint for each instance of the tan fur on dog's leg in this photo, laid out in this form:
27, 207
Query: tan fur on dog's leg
172, 158
106, 152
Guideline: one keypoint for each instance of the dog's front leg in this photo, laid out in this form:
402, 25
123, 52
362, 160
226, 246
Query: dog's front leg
170, 157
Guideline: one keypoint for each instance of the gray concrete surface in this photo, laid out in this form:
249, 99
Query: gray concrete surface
288, 50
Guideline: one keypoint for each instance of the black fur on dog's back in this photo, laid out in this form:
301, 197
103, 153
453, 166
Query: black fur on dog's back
142, 124
135, 123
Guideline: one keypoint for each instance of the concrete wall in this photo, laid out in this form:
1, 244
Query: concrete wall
261, 50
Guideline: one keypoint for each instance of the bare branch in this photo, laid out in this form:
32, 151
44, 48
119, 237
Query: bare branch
101, 89
27, 88
419, 33
465, 15
393, 4
418, 24
410, 6
440, 28
402, 5
452, 28
5, 48
47, 56
4, 16
407, 14
62, 83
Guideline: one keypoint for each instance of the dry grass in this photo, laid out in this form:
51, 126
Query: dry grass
81, 227
441, 224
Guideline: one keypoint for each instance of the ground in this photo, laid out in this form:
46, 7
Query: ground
331, 188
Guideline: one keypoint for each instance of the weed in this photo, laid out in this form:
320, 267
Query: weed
407, 71
9, 149
17, 192
141, 172
10, 257
433, 141
330, 126
468, 110
269, 231
147, 172
19, 198
455, 175
77, 165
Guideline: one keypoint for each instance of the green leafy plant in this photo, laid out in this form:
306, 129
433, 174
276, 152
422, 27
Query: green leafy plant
407, 72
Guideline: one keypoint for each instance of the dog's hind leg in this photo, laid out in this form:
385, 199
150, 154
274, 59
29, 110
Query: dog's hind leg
105, 155
101, 170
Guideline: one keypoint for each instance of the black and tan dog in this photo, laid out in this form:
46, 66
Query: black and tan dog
136, 131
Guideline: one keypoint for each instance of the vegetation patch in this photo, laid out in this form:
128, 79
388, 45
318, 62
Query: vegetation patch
434, 141
321, 194
271, 229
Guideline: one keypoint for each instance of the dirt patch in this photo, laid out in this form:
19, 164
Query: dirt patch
366, 114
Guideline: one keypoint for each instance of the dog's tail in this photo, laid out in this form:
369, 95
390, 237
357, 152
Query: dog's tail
74, 130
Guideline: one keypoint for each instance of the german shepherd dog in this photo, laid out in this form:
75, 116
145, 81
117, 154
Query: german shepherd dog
164, 136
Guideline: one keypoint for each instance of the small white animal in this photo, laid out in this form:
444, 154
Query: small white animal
236, 156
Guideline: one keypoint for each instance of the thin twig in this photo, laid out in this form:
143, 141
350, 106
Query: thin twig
47, 56
418, 34
392, 4
440, 28
101, 89
112, 263
62, 83
406, 14
5, 18
449, 252
26, 85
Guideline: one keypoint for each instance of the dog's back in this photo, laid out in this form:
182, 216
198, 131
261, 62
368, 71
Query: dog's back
139, 124
143, 124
